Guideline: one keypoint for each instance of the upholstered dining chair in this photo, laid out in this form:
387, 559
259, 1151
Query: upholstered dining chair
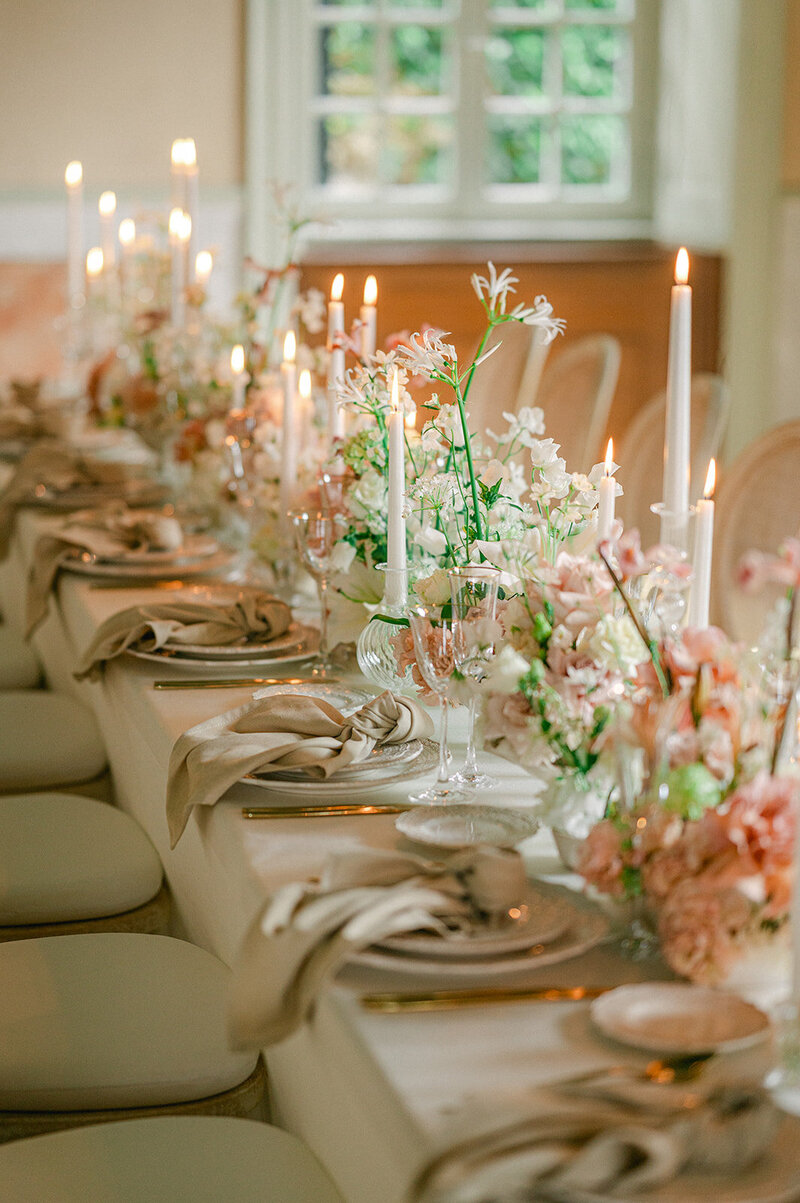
19, 668
182, 1159
115, 1026
758, 506
509, 378
70, 864
640, 453
575, 393
50, 741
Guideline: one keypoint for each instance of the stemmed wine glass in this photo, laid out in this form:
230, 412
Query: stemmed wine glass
316, 533
473, 592
433, 648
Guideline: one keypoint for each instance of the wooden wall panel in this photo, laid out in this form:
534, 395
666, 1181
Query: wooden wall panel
612, 289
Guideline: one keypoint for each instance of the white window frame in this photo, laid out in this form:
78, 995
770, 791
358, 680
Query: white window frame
279, 146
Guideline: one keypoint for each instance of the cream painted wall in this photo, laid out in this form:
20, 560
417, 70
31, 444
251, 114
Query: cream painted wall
112, 82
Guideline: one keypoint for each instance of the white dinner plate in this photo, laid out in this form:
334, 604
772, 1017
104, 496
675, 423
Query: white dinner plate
227, 668
678, 1018
539, 919
163, 570
295, 637
384, 756
193, 547
586, 928
135, 492
463, 826
344, 786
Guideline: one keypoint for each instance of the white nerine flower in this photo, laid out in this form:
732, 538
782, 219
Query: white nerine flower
495, 289
540, 314
428, 355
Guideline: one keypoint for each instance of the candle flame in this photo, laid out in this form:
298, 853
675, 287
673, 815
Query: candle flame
337, 288
107, 204
289, 347
395, 392
178, 152
711, 479
411, 419
609, 457
180, 225
370, 290
94, 261
189, 152
204, 262
73, 174
304, 383
127, 231
237, 359
682, 266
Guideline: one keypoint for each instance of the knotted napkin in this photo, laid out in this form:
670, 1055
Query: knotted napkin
283, 731
19, 422
306, 932
104, 532
51, 466
562, 1153
252, 617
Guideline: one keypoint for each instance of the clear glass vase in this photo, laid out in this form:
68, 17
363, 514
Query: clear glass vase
375, 646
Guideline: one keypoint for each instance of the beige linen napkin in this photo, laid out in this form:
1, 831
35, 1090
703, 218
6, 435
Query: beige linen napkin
56, 467
103, 532
560, 1152
276, 733
306, 932
252, 617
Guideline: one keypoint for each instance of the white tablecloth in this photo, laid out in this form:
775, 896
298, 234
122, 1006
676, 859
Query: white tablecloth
370, 1093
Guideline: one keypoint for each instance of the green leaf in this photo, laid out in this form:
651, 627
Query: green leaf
395, 622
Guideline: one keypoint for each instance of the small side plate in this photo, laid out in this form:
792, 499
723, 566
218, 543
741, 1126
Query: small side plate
678, 1018
463, 826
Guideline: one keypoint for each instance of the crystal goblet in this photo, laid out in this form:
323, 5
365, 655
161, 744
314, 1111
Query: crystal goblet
433, 648
473, 592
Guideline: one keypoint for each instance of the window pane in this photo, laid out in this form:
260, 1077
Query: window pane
417, 63
515, 61
621, 7
515, 150
348, 151
418, 150
592, 150
591, 54
521, 3
347, 59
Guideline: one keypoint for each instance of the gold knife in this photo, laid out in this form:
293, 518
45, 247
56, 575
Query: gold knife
236, 682
323, 812
443, 1000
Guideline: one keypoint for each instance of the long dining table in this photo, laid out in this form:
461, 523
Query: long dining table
373, 1094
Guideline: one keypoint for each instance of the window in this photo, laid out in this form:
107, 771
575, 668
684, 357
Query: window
446, 115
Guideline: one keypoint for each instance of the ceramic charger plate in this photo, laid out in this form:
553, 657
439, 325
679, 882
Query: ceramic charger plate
677, 1018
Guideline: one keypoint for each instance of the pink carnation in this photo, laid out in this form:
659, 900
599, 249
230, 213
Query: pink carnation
701, 930
601, 859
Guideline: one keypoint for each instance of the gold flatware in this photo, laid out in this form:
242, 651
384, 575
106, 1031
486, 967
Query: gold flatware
319, 812
443, 1000
140, 582
237, 682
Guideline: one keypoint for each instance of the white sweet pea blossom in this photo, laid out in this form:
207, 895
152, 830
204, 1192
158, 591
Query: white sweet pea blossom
494, 471
342, 556
432, 540
544, 454
434, 590
505, 670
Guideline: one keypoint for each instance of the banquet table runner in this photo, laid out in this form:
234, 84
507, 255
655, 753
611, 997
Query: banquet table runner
306, 932
254, 615
277, 733
102, 533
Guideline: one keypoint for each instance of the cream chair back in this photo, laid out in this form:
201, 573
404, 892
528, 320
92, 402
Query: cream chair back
758, 506
576, 391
